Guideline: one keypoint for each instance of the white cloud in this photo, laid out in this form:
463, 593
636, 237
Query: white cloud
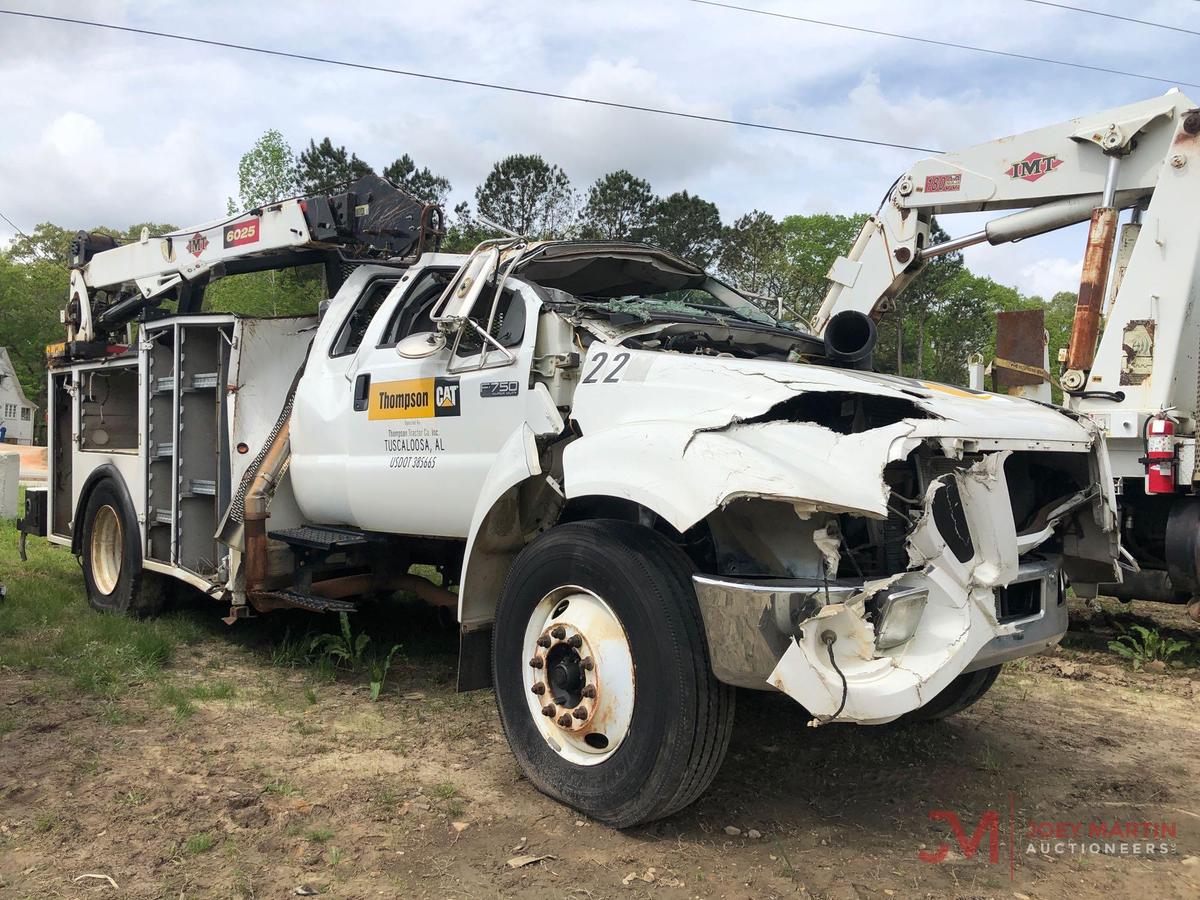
103, 127
1046, 277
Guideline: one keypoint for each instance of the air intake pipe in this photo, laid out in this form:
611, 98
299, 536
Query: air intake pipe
850, 338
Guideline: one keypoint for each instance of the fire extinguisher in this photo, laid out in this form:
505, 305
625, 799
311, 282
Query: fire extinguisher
1160, 459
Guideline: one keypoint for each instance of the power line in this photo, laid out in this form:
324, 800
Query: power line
409, 73
1108, 15
923, 40
13, 225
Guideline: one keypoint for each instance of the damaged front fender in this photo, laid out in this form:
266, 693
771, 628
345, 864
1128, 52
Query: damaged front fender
962, 550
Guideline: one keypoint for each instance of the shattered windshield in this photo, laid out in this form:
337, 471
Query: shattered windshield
638, 281
713, 300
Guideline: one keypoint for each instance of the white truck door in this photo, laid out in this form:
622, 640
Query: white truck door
424, 433
321, 408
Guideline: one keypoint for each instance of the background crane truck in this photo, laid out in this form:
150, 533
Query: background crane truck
1138, 377
645, 490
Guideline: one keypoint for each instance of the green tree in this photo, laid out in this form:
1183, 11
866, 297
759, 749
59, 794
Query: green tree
287, 292
32, 292
810, 245
619, 207
47, 241
464, 231
687, 225
927, 296
751, 257
52, 243
421, 183
266, 173
322, 167
529, 196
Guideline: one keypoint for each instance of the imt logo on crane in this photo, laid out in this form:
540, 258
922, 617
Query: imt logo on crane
1034, 166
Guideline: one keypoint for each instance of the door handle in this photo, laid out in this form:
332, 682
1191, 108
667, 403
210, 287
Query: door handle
362, 386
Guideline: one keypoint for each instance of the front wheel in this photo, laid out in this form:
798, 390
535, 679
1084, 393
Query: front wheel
962, 692
602, 675
112, 556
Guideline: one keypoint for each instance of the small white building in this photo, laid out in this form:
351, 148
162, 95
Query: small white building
16, 412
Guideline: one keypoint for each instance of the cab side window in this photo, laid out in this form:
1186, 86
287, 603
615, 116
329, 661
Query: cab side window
411, 315
508, 326
353, 329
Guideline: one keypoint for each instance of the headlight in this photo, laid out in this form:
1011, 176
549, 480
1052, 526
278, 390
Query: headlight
897, 614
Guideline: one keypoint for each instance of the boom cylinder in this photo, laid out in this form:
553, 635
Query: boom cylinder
1093, 283
1097, 259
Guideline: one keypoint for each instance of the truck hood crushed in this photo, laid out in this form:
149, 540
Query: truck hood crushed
694, 404
1001, 478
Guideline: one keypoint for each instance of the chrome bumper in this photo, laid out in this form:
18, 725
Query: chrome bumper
750, 622
1036, 632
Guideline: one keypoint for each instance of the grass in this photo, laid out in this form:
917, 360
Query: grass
199, 843
180, 699
320, 835
280, 787
46, 626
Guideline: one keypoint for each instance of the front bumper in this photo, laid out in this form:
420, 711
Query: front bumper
765, 633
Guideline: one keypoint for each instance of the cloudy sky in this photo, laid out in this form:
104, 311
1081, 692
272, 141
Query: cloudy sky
103, 127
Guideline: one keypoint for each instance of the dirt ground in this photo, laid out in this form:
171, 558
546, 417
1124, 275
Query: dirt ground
273, 781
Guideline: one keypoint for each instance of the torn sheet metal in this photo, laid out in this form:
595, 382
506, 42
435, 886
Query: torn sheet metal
958, 621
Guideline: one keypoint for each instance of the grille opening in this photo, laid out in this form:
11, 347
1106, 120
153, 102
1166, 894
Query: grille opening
1018, 601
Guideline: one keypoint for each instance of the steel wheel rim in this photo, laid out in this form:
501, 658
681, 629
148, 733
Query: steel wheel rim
578, 675
107, 549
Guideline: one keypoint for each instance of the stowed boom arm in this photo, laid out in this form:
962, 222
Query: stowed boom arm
370, 219
1144, 154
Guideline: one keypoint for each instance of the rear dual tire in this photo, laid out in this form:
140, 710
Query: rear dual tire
112, 556
603, 616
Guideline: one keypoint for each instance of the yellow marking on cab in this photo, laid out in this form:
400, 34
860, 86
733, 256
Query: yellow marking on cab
954, 392
409, 399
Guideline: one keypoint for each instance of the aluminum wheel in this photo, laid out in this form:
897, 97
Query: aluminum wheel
107, 549
579, 675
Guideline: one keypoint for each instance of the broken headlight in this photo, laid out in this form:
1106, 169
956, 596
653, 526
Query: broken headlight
897, 613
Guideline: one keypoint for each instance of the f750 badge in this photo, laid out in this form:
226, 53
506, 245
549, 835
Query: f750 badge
241, 233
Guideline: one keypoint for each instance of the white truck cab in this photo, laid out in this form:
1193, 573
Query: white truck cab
640, 490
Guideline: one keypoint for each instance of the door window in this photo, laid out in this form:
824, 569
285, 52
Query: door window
355, 327
508, 324
411, 315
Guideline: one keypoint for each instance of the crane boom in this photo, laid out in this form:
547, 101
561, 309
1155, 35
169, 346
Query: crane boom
368, 220
1134, 353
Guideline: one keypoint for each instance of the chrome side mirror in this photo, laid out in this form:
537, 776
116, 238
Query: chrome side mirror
421, 345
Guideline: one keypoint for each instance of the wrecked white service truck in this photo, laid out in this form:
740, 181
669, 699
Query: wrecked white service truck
645, 491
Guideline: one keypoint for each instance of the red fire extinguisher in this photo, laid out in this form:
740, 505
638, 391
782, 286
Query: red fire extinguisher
1160, 459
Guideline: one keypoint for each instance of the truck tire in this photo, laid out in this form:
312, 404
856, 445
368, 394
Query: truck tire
112, 556
955, 697
602, 676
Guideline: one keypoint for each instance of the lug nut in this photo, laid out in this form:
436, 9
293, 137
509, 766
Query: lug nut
548, 710
587, 664
564, 720
589, 691
539, 688
558, 632
579, 712
543, 641
536, 662
575, 641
